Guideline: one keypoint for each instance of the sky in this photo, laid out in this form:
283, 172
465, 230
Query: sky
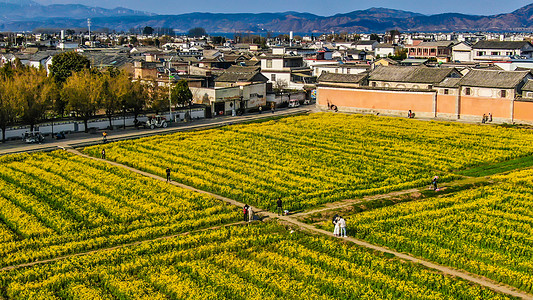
319, 7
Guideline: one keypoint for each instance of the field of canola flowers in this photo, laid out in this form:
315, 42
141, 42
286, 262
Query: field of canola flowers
486, 231
262, 261
52, 204
319, 158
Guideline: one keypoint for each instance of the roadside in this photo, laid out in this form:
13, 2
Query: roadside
86, 139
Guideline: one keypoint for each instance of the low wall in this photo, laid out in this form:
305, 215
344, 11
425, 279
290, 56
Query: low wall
100, 123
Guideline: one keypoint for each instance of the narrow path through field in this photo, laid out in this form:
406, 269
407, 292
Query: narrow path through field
39, 262
290, 219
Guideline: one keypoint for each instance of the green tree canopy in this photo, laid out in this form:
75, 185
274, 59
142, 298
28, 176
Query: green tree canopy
64, 64
197, 32
83, 93
181, 94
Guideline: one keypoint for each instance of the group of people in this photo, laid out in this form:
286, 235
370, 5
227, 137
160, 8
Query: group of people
486, 118
340, 226
248, 213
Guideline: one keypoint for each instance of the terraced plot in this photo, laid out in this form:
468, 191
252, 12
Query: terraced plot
262, 261
319, 158
52, 204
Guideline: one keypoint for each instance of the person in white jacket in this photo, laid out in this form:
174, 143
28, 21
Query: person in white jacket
342, 225
337, 227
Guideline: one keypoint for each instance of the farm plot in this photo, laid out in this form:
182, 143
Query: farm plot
52, 204
486, 230
320, 158
261, 261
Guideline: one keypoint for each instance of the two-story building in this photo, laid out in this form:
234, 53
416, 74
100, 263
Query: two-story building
285, 71
238, 75
419, 77
441, 50
501, 50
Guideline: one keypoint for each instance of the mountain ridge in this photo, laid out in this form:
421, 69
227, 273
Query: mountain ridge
30, 15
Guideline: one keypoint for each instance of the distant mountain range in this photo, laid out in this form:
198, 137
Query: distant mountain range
26, 15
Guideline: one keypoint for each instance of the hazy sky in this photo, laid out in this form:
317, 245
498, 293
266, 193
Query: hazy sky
319, 7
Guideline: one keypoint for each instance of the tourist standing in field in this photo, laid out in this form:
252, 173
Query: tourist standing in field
434, 183
342, 226
336, 229
245, 212
103, 153
279, 204
250, 214
168, 174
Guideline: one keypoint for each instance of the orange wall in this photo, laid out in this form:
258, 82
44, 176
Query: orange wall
477, 106
523, 111
372, 99
446, 104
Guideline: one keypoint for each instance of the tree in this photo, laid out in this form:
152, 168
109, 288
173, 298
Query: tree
375, 37
116, 88
35, 94
148, 30
83, 93
197, 32
181, 94
136, 99
9, 107
64, 64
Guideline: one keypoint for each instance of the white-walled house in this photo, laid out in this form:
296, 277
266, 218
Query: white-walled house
501, 50
384, 50
462, 52
287, 71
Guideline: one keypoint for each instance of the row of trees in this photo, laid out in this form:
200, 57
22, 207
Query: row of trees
28, 96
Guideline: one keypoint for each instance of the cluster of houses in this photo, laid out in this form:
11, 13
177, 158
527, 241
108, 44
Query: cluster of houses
447, 76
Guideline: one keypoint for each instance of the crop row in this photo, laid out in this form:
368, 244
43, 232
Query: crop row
52, 204
319, 158
486, 230
262, 261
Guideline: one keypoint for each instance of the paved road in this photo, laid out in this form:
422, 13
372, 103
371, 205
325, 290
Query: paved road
78, 139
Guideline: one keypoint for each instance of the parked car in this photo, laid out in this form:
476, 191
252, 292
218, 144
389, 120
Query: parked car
156, 121
294, 103
33, 137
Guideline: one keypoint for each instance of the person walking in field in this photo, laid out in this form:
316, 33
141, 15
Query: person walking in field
434, 183
279, 204
250, 214
336, 229
103, 153
245, 212
342, 226
168, 174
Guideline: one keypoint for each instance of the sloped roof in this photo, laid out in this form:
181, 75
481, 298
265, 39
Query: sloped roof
449, 83
500, 44
435, 44
418, 74
254, 76
493, 79
342, 78
243, 69
528, 86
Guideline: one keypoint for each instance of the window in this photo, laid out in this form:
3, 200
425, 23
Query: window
446, 91
480, 53
495, 53
503, 93
508, 53
347, 71
430, 87
273, 77
269, 63
467, 91
373, 84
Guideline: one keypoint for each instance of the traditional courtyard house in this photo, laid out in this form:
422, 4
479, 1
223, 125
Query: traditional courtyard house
384, 50
419, 77
501, 50
237, 76
462, 52
365, 45
341, 68
343, 80
489, 91
441, 50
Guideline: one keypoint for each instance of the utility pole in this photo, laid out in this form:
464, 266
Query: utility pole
89, 25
